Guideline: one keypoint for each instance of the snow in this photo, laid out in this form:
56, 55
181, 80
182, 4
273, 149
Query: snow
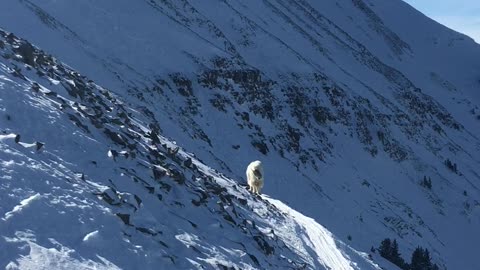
70, 206
317, 238
23, 204
91, 236
52, 258
7, 136
374, 53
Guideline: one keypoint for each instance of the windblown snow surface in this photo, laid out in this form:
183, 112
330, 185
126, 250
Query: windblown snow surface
132, 154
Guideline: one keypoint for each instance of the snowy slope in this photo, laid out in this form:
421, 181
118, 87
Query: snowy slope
348, 103
86, 184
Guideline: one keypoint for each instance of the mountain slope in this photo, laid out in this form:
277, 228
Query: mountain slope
349, 104
87, 185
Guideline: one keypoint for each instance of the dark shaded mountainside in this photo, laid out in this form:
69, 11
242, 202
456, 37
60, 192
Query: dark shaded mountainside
365, 113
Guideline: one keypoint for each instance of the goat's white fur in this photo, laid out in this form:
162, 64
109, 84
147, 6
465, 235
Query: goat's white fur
255, 176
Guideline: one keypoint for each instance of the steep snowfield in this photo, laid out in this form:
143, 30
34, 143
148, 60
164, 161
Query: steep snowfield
348, 103
87, 183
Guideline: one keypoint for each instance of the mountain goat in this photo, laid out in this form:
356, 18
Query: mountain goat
255, 176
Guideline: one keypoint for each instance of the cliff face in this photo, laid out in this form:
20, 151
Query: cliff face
349, 104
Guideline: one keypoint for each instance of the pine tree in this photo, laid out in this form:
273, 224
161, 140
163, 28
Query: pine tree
389, 251
417, 262
385, 249
396, 257
421, 260
395, 249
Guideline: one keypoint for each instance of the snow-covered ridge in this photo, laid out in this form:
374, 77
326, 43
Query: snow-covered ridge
350, 104
106, 191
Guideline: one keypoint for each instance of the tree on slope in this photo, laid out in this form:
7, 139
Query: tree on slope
421, 260
389, 251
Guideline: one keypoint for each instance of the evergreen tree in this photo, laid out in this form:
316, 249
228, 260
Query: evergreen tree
385, 249
396, 256
417, 262
421, 260
389, 251
395, 249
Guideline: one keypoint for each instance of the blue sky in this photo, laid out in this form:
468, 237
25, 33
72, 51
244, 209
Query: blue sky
461, 15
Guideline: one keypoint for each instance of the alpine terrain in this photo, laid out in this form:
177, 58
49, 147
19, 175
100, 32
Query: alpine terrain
126, 128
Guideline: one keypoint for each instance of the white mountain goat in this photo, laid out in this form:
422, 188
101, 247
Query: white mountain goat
255, 176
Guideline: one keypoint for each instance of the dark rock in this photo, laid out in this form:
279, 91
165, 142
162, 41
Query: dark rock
139, 201
35, 87
17, 138
42, 59
158, 173
177, 175
51, 94
242, 201
173, 152
203, 198
78, 89
261, 146
246, 116
146, 231
254, 259
188, 163
157, 154
224, 267
193, 224
154, 137
125, 218
265, 247
184, 85
229, 218
115, 137
132, 146
78, 123
39, 145
26, 50
215, 188
165, 186
114, 154
110, 197
17, 72
11, 38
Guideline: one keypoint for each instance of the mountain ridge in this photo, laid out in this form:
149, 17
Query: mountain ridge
121, 196
355, 101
